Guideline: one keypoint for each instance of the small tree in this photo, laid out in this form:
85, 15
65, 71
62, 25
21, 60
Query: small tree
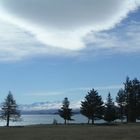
10, 110
92, 106
110, 110
121, 102
65, 112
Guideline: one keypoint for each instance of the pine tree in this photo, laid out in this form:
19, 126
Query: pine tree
136, 92
110, 110
130, 99
92, 106
132, 91
121, 102
10, 110
65, 112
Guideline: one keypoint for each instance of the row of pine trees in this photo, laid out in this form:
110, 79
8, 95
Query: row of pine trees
125, 107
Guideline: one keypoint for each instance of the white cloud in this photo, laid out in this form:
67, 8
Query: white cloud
74, 90
45, 94
100, 88
124, 39
61, 25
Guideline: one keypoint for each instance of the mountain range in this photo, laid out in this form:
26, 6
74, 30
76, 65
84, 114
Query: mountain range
47, 107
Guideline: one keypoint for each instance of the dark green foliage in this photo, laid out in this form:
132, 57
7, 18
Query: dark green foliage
92, 106
130, 99
65, 112
121, 104
10, 109
136, 92
138, 102
132, 91
110, 110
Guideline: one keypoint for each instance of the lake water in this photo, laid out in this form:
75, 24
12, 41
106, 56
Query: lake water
46, 119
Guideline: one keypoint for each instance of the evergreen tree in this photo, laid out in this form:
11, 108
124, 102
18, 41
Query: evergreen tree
132, 91
121, 102
130, 99
10, 109
65, 112
92, 106
110, 110
136, 92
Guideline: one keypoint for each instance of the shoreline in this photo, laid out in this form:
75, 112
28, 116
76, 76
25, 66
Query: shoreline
75, 124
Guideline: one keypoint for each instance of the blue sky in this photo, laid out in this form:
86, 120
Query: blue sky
47, 64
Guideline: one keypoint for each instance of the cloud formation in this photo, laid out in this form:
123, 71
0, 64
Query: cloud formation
64, 24
124, 39
74, 90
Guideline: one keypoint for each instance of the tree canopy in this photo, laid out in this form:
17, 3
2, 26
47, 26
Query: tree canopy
132, 91
121, 102
65, 112
92, 106
110, 110
10, 110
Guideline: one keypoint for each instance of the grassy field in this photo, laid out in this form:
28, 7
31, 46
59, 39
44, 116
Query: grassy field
72, 132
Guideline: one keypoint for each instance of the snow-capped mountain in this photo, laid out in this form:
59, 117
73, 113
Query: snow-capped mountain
46, 107
40, 106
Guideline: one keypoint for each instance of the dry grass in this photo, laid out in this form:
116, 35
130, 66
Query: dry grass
72, 132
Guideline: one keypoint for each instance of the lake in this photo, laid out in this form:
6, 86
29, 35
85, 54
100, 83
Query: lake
46, 119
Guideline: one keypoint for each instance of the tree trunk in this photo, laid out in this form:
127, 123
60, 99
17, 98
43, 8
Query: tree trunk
65, 122
88, 121
121, 120
93, 120
8, 118
121, 113
131, 118
121, 117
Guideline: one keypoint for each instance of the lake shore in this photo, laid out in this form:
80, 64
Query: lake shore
72, 132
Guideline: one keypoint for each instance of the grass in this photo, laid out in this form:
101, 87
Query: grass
72, 132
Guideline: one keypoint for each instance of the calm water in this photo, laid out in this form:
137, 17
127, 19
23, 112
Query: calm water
45, 119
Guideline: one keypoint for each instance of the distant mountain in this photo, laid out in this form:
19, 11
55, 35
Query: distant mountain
46, 107
37, 112
40, 106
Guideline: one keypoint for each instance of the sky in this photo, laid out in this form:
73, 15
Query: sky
52, 49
